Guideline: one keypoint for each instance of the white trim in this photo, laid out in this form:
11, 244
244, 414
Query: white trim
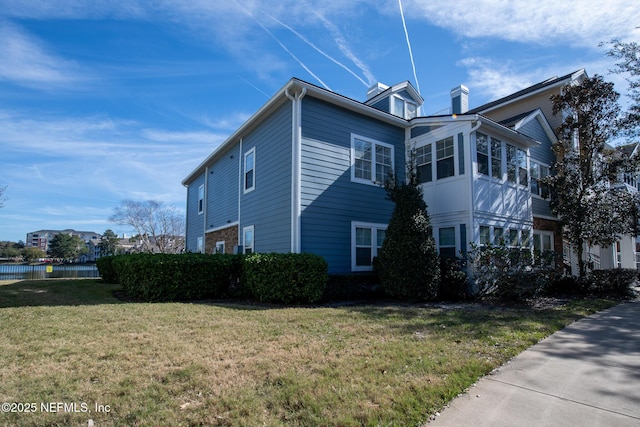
374, 243
224, 248
374, 142
240, 185
244, 171
296, 168
253, 239
222, 227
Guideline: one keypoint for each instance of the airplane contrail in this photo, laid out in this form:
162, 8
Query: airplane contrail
298, 60
406, 33
326, 55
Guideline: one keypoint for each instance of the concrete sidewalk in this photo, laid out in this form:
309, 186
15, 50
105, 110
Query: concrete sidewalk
587, 374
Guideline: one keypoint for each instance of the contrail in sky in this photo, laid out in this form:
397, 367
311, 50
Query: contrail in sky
344, 48
298, 60
326, 55
406, 33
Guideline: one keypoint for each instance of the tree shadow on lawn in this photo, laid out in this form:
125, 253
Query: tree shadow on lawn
56, 292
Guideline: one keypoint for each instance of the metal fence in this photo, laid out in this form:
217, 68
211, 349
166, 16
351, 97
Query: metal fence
47, 271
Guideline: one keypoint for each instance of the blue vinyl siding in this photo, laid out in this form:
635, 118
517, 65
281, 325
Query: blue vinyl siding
195, 221
383, 105
330, 201
222, 189
268, 207
540, 154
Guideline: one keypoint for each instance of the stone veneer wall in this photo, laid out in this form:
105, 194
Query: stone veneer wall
227, 235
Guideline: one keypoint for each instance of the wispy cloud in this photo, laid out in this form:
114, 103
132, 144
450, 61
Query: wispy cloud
26, 61
579, 23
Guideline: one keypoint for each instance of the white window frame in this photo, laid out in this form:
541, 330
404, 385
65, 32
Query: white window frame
200, 245
446, 156
201, 199
538, 235
220, 247
420, 161
455, 240
374, 227
248, 189
536, 166
374, 161
251, 229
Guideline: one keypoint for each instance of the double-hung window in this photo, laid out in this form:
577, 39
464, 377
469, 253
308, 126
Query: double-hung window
539, 172
201, 199
248, 239
498, 236
423, 164
372, 161
522, 168
366, 239
250, 170
444, 157
496, 158
512, 164
485, 235
447, 241
482, 153
489, 155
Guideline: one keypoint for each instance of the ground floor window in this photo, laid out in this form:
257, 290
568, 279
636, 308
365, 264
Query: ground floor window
248, 240
447, 241
200, 245
366, 241
543, 248
219, 247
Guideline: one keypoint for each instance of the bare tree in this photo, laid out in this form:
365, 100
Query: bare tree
159, 226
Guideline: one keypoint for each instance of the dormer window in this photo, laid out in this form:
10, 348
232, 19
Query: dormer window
403, 108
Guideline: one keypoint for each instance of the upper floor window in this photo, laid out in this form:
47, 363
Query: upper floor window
512, 163
538, 172
250, 170
523, 176
401, 108
423, 163
200, 199
372, 160
496, 158
444, 157
482, 153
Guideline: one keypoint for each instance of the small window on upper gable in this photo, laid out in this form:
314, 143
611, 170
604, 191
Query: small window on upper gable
402, 108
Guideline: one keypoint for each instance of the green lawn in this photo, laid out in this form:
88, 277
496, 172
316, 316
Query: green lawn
71, 342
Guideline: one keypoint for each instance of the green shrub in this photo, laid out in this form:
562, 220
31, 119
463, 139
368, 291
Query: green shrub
408, 262
285, 278
507, 274
107, 270
614, 283
454, 282
170, 277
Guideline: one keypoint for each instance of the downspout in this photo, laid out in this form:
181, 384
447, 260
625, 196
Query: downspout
204, 209
240, 187
296, 166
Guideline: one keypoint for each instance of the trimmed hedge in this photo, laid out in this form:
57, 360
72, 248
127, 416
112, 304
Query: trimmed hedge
170, 277
107, 270
285, 278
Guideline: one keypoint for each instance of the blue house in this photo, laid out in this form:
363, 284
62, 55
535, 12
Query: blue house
305, 174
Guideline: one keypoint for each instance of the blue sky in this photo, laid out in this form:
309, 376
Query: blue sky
106, 100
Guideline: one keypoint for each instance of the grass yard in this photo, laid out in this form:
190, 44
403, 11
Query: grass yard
70, 346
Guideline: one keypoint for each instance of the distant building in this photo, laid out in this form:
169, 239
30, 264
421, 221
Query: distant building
40, 239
